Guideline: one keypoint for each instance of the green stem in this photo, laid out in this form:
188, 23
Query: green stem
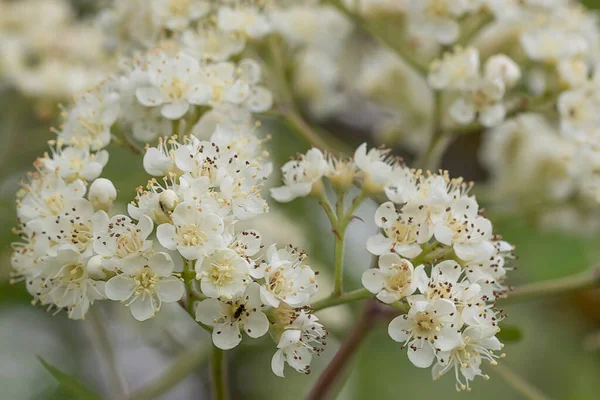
219, 374
586, 280
188, 279
324, 202
431, 157
305, 131
183, 365
340, 234
343, 298
419, 66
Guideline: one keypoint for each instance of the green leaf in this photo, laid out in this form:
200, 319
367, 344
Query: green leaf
69, 384
510, 333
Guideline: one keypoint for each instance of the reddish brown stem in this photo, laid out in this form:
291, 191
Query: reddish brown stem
326, 382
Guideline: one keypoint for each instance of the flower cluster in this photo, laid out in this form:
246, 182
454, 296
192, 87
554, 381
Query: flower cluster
51, 67
437, 254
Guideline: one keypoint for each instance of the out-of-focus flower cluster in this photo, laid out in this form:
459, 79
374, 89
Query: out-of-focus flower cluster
437, 253
47, 52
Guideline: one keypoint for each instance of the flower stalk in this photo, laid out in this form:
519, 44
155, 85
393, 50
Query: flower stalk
219, 374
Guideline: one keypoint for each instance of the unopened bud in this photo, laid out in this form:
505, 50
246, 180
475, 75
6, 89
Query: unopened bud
102, 194
168, 200
95, 268
503, 68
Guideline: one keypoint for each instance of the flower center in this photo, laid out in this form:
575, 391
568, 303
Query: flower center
437, 8
221, 273
127, 245
425, 326
277, 283
399, 278
73, 273
190, 236
179, 8
145, 280
403, 232
54, 203
175, 89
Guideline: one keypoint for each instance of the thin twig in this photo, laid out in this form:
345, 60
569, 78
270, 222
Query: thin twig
219, 374
517, 382
336, 300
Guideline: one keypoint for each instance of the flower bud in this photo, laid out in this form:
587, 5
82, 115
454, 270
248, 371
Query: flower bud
503, 68
102, 194
168, 200
95, 268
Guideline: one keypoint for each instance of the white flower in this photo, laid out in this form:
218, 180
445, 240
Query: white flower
481, 99
247, 20
211, 43
454, 69
75, 226
475, 347
121, 240
193, 233
225, 274
67, 283
375, 167
403, 232
89, 121
429, 326
438, 18
301, 177
578, 112
229, 317
297, 344
574, 71
177, 14
287, 279
102, 194
174, 85
392, 281
72, 163
144, 284
46, 196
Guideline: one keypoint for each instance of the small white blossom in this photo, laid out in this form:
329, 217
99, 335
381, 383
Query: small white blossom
225, 274
228, 317
392, 281
301, 177
177, 14
102, 194
144, 284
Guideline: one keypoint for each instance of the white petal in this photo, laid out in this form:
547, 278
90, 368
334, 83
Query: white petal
200, 94
282, 194
372, 280
378, 244
493, 115
277, 363
448, 339
443, 234
161, 264
208, 311
462, 111
256, 325
226, 336
165, 233
397, 329
175, 110
143, 307
421, 357
170, 289
149, 96
120, 287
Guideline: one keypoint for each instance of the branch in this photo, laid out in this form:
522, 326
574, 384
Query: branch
517, 382
582, 281
332, 373
404, 53
344, 298
219, 374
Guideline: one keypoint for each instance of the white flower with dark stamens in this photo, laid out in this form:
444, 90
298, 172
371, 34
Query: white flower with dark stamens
160, 159
468, 233
76, 227
225, 274
177, 14
403, 232
193, 233
287, 278
301, 177
490, 274
297, 344
174, 85
466, 359
66, 283
228, 317
46, 196
121, 239
429, 326
144, 284
392, 281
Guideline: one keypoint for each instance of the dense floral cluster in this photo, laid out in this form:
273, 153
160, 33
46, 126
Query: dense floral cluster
437, 253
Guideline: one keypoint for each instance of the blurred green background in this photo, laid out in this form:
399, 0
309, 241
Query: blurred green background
558, 352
